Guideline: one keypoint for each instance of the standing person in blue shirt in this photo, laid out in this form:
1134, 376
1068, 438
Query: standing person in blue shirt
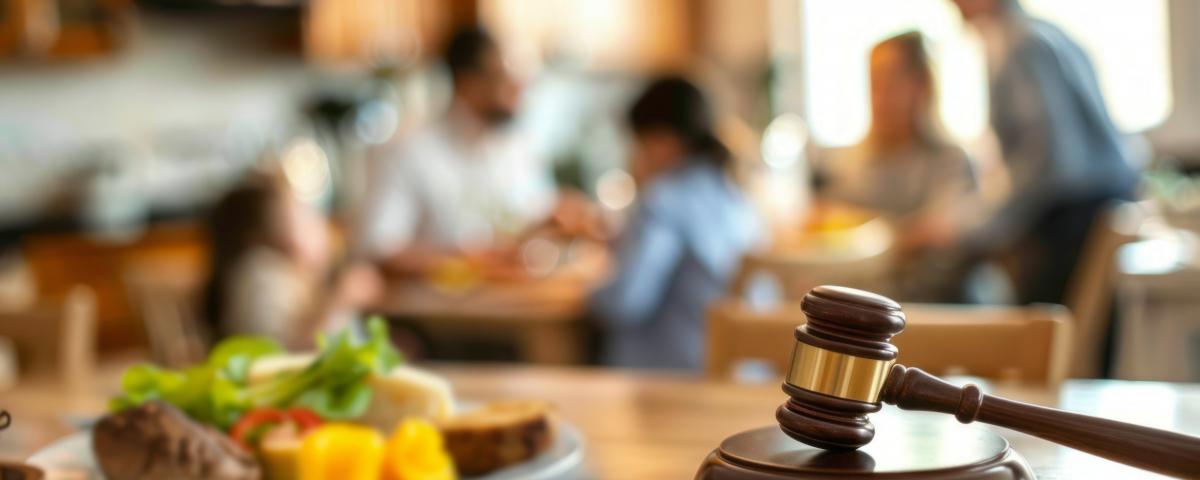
1064, 155
685, 239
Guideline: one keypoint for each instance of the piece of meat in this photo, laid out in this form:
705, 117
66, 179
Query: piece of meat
156, 441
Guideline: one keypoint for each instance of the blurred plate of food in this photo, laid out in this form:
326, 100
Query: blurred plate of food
73, 457
353, 410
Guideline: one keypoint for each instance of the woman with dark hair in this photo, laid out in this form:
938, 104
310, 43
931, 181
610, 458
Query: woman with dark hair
271, 272
685, 238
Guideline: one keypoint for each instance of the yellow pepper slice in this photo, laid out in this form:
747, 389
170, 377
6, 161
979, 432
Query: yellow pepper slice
415, 452
339, 451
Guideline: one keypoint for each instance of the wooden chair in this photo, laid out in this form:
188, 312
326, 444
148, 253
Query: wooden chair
165, 295
1090, 292
55, 341
60, 261
1028, 344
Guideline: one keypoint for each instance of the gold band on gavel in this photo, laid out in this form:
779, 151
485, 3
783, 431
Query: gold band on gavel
837, 374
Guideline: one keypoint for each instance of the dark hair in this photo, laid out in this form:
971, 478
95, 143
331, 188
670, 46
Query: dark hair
677, 105
239, 221
465, 51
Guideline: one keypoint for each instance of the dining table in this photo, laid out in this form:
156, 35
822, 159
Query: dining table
541, 312
657, 424
542, 319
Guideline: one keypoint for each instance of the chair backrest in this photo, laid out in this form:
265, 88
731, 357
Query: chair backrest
859, 257
1090, 291
1028, 344
165, 295
60, 261
56, 341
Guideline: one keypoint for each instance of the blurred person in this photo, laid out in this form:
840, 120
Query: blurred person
271, 269
1064, 155
687, 235
466, 180
907, 168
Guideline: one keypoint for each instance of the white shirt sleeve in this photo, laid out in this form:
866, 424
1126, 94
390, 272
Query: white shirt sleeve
533, 191
393, 212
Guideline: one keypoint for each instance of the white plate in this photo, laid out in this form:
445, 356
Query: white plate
72, 458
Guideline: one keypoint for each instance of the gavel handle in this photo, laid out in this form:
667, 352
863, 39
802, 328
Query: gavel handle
1160, 451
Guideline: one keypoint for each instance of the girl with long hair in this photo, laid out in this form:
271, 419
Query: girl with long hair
271, 271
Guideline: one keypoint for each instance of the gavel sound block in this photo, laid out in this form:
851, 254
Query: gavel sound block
843, 369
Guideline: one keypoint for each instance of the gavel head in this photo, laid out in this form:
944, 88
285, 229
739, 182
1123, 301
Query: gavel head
839, 364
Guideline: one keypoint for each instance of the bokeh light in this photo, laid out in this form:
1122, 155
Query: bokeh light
616, 189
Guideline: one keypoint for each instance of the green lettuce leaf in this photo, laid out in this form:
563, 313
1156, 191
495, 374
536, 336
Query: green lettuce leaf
335, 384
216, 392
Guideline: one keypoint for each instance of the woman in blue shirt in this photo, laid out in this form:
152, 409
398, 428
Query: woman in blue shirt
685, 239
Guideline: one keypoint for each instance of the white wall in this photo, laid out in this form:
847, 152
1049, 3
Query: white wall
1180, 134
186, 91
177, 72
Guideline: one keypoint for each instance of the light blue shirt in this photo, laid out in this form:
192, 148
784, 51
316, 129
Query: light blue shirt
1053, 128
683, 243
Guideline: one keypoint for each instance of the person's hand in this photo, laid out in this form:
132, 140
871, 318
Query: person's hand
359, 285
576, 216
928, 233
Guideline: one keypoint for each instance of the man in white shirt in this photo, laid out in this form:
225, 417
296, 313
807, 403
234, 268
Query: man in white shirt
464, 182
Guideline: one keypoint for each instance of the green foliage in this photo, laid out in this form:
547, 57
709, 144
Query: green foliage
216, 392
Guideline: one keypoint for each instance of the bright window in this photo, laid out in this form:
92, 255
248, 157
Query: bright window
1126, 39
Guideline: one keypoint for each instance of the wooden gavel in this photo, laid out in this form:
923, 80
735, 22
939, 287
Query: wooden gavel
844, 365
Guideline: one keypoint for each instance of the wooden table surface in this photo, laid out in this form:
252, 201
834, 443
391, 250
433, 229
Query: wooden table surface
540, 314
656, 425
530, 301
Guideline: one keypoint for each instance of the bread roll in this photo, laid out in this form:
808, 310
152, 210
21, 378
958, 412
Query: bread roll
498, 435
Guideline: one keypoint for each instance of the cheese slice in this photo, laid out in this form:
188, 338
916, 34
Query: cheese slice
280, 459
408, 392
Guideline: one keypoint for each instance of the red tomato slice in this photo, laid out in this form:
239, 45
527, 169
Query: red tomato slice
251, 421
304, 418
